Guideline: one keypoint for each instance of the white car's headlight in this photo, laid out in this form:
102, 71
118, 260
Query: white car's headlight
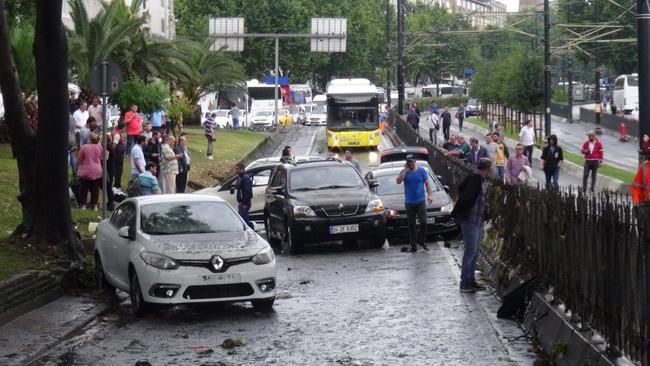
158, 260
375, 205
264, 256
303, 211
447, 208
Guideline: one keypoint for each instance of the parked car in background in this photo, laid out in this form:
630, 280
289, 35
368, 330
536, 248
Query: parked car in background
321, 201
401, 153
472, 108
223, 118
262, 119
184, 248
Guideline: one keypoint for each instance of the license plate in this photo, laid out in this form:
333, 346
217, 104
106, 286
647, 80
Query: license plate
353, 142
222, 278
341, 229
431, 220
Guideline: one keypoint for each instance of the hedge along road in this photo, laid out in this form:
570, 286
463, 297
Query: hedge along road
335, 306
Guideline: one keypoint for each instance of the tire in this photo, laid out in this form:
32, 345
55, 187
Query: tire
378, 241
263, 306
295, 247
100, 277
275, 242
139, 306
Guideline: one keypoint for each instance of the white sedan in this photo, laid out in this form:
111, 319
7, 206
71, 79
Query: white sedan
184, 248
263, 118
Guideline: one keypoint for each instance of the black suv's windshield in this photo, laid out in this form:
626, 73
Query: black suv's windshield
173, 218
316, 177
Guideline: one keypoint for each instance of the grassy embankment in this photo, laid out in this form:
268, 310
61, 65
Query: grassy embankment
606, 169
229, 148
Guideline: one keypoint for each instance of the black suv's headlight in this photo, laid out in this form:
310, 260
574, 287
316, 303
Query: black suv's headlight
375, 206
303, 211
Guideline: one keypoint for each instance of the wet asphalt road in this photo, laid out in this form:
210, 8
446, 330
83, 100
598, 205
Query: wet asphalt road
335, 306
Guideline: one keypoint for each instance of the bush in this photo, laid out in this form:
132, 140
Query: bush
424, 103
560, 95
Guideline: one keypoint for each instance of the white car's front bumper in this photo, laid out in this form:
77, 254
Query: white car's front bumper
195, 284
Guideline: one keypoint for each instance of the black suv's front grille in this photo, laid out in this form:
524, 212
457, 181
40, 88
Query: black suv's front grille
338, 210
218, 291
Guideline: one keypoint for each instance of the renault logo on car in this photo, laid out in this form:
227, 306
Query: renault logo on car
216, 262
340, 206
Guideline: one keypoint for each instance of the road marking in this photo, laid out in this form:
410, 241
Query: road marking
313, 139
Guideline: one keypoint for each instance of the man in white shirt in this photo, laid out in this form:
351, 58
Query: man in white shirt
96, 110
433, 129
137, 156
527, 138
80, 116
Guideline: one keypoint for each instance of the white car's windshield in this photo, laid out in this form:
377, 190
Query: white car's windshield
324, 177
173, 218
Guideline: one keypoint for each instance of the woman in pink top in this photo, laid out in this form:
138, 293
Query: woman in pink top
89, 164
133, 127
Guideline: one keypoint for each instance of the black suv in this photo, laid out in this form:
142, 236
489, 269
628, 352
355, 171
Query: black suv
321, 201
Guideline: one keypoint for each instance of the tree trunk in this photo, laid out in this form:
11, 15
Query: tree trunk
42, 156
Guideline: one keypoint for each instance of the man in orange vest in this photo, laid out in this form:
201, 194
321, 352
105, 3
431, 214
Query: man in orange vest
641, 186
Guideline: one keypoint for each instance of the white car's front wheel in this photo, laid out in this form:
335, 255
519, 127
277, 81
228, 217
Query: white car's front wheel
263, 306
138, 304
100, 276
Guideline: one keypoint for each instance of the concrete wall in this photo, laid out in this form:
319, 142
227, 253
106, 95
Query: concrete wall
610, 121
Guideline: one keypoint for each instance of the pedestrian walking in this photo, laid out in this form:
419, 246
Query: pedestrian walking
413, 119
516, 166
89, 163
183, 164
169, 166
209, 126
501, 157
244, 193
552, 159
234, 112
434, 128
491, 147
148, 181
415, 180
137, 158
446, 122
476, 153
468, 211
133, 127
460, 115
351, 160
527, 139
592, 150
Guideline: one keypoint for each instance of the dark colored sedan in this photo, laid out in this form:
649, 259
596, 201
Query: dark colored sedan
439, 220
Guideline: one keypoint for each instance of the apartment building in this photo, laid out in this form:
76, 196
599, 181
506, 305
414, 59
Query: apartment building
481, 13
161, 21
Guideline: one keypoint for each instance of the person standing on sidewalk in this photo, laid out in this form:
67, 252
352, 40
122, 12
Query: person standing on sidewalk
244, 193
414, 120
433, 129
552, 159
527, 138
415, 179
446, 122
460, 114
468, 211
592, 149
501, 156
515, 166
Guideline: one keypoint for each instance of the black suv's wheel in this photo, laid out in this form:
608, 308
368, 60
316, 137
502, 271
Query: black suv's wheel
295, 246
378, 241
275, 242
263, 306
139, 306
100, 277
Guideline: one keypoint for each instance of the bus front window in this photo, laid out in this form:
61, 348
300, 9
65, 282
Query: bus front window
352, 117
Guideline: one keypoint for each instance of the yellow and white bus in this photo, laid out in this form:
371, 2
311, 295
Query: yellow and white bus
352, 114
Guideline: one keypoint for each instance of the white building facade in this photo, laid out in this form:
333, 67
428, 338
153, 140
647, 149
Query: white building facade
161, 21
480, 13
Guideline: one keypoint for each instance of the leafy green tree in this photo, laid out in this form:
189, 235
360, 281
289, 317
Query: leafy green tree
22, 38
148, 97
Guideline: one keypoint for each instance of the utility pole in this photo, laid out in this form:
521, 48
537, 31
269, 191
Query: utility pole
400, 56
388, 73
643, 35
547, 70
570, 70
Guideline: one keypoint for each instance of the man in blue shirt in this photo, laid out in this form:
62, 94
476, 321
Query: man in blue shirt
415, 180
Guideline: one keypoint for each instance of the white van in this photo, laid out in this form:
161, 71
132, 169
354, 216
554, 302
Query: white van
626, 93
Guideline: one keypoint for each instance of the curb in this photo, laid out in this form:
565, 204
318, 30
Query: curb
568, 167
27, 291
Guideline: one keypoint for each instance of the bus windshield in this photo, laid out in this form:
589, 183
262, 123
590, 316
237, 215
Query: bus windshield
362, 116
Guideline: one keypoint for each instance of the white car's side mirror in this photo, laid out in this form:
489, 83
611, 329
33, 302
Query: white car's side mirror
124, 232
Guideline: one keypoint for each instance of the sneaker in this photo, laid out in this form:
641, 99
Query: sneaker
477, 287
467, 288
409, 249
210, 157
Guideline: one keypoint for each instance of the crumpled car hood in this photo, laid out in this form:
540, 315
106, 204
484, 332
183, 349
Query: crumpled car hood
203, 246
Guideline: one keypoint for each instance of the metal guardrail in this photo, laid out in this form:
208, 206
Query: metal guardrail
594, 250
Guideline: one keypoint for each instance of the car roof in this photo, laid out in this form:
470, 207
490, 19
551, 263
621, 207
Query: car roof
181, 197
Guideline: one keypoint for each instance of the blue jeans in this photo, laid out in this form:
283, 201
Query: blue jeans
73, 162
235, 123
472, 240
130, 141
500, 171
243, 212
552, 176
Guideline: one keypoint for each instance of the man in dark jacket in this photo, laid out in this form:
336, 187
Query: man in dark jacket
244, 193
153, 150
476, 152
183, 164
552, 159
414, 120
468, 211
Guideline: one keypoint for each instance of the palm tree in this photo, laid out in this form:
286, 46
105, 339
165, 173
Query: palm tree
21, 39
